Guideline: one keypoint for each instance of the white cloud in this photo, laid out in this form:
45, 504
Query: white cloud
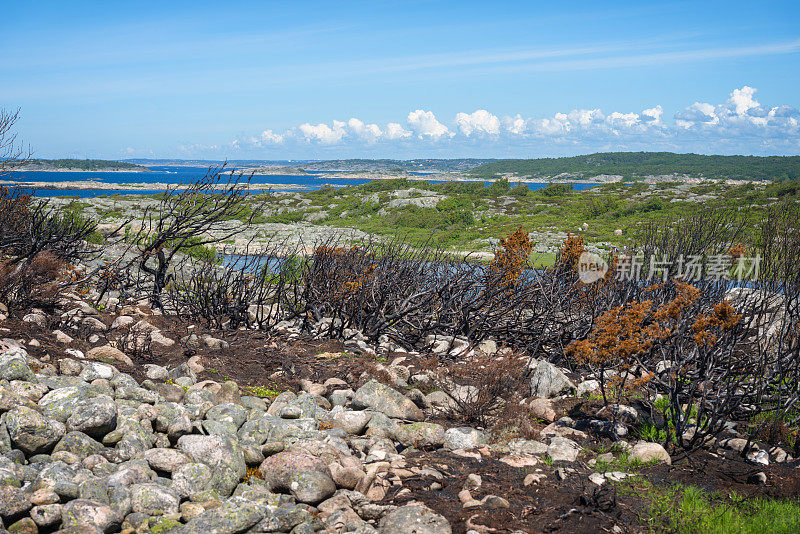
396, 131
367, 132
699, 112
741, 115
652, 115
479, 122
742, 100
623, 120
270, 137
516, 124
740, 123
323, 133
424, 124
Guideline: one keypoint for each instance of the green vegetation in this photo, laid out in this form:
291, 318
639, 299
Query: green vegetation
473, 215
82, 165
639, 164
690, 510
73, 213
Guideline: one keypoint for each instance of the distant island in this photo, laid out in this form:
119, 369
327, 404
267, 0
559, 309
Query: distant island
85, 165
641, 165
396, 165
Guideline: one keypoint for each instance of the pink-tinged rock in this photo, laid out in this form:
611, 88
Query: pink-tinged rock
279, 469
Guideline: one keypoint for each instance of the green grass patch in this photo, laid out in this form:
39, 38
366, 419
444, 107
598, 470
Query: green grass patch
690, 510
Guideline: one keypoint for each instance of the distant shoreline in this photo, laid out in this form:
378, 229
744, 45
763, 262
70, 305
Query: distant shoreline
88, 185
35, 169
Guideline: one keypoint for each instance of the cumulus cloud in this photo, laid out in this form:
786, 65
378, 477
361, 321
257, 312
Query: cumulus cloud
479, 122
396, 131
323, 133
652, 115
368, 132
425, 125
516, 124
741, 115
740, 122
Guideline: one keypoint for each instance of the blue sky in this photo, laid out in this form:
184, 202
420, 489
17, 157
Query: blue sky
276, 80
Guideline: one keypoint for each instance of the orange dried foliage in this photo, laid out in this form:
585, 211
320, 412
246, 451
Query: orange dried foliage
724, 317
737, 251
252, 472
571, 250
617, 337
509, 260
621, 334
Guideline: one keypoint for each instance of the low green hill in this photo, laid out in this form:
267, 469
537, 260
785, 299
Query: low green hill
632, 165
81, 165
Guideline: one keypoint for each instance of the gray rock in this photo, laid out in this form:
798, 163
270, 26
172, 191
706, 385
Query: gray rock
14, 367
95, 417
36, 318
13, 502
463, 438
94, 324
79, 444
60, 403
94, 489
235, 515
548, 381
155, 372
46, 515
311, 487
83, 513
284, 519
94, 370
586, 387
278, 470
488, 347
122, 321
168, 460
232, 414
172, 419
137, 394
154, 499
415, 519
214, 343
384, 399
10, 399
221, 453
563, 449
191, 478
352, 422
526, 446
649, 452
31, 432
420, 435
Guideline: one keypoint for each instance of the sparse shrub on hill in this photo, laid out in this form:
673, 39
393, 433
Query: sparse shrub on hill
35, 282
38, 245
555, 190
481, 387
185, 219
520, 190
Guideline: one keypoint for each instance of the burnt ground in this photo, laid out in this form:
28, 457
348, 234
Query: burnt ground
278, 362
